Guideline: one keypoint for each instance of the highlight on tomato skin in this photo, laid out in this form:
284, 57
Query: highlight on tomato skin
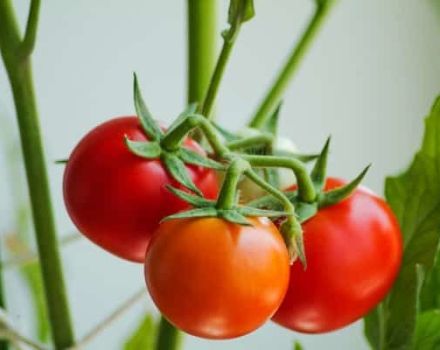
354, 251
116, 198
216, 279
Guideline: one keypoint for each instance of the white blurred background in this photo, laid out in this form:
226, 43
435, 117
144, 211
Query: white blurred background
368, 80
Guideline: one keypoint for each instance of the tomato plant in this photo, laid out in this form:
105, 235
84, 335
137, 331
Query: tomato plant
217, 279
116, 198
353, 251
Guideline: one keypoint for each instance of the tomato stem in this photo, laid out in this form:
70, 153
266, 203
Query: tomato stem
16, 56
227, 197
276, 91
306, 189
229, 38
252, 141
169, 338
175, 136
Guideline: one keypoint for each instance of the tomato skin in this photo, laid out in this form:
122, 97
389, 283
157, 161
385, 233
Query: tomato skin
116, 198
216, 279
354, 251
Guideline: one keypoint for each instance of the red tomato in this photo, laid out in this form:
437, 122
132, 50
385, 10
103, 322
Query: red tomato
353, 250
116, 198
216, 279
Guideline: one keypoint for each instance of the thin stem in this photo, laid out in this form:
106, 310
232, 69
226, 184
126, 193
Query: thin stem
28, 43
8, 332
114, 316
280, 84
227, 196
20, 77
32, 257
175, 136
201, 46
306, 189
168, 338
208, 102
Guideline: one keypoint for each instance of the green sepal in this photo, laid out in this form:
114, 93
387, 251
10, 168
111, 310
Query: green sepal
191, 157
193, 213
232, 215
305, 211
293, 236
249, 211
319, 171
144, 149
240, 9
300, 156
196, 201
61, 161
176, 168
190, 109
227, 135
271, 125
339, 194
150, 127
272, 176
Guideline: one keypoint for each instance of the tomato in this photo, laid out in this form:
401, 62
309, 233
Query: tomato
353, 250
116, 198
216, 279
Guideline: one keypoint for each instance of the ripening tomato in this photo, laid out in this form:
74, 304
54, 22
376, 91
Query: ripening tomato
353, 251
216, 279
116, 198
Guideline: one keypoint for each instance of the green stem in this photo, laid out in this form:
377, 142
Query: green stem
20, 76
201, 46
168, 338
251, 141
3, 343
279, 86
228, 193
175, 136
306, 188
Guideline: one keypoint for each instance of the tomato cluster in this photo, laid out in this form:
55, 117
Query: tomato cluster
218, 279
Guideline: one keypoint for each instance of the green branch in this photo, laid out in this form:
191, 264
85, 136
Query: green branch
280, 84
20, 76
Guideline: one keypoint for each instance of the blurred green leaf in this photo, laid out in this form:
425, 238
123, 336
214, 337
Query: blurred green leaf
415, 199
427, 336
297, 346
144, 336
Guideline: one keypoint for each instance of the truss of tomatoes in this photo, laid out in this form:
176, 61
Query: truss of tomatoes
217, 277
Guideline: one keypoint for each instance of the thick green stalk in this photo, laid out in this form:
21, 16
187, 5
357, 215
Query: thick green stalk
201, 46
3, 343
280, 84
228, 194
169, 337
15, 55
201, 19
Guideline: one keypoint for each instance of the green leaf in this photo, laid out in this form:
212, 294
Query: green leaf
242, 10
191, 157
149, 125
234, 216
61, 161
415, 199
430, 294
227, 135
193, 213
305, 211
178, 171
196, 201
143, 338
427, 335
145, 149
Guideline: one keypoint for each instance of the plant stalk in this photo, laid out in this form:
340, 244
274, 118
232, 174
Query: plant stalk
275, 93
17, 61
201, 22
